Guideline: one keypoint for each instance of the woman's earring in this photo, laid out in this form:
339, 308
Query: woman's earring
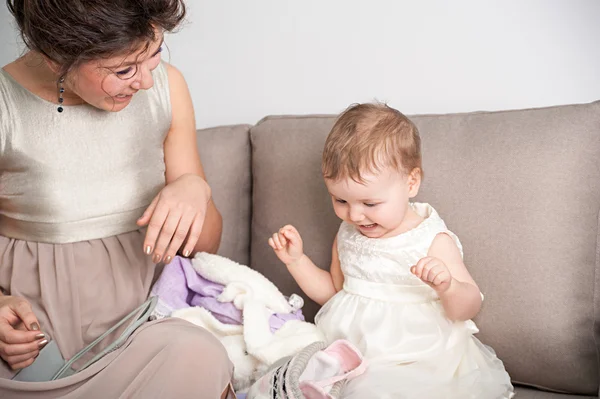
61, 90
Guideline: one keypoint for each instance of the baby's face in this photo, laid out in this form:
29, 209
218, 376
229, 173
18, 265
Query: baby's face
378, 208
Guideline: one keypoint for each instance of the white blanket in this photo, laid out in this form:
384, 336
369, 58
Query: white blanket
251, 347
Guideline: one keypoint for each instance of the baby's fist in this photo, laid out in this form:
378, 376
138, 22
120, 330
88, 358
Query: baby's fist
433, 272
287, 244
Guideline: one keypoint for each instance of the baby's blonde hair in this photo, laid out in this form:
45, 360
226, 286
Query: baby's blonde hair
367, 138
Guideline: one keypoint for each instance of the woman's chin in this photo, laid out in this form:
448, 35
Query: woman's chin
116, 104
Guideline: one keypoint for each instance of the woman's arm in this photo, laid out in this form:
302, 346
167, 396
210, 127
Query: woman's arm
182, 216
181, 156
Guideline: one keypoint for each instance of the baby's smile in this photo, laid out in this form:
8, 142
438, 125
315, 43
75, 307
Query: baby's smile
367, 228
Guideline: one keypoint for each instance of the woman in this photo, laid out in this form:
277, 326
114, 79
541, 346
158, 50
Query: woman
100, 180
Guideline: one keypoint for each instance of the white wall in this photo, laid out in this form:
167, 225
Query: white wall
246, 59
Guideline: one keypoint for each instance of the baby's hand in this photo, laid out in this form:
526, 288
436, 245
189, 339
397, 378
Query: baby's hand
433, 272
287, 244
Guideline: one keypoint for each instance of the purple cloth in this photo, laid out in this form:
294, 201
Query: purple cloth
180, 286
277, 320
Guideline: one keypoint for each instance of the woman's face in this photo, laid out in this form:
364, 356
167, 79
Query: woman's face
110, 84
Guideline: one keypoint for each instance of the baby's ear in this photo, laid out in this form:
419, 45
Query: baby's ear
414, 182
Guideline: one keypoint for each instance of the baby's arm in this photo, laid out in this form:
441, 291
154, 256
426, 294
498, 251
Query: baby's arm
319, 285
444, 270
336, 271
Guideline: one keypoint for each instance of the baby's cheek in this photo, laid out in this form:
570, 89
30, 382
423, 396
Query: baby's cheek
383, 214
339, 211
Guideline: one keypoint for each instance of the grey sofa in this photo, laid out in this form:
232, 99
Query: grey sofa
520, 188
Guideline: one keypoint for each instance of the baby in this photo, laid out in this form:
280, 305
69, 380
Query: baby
397, 287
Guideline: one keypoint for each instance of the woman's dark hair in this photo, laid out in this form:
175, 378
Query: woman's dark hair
75, 31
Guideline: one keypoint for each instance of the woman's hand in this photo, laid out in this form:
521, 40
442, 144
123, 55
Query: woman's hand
174, 216
20, 337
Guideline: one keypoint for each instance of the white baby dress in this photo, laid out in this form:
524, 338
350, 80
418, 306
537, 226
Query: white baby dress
398, 322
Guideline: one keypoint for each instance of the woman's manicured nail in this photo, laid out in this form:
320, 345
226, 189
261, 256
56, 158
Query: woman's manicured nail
35, 326
43, 343
156, 258
148, 250
40, 336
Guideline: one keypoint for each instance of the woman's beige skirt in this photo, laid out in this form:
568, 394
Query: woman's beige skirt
78, 291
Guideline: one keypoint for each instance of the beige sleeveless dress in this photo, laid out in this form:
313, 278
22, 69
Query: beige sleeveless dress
72, 186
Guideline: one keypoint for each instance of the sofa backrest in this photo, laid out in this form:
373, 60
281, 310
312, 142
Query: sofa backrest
225, 154
520, 188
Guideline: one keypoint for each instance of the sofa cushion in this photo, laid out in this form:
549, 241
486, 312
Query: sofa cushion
527, 393
522, 191
225, 154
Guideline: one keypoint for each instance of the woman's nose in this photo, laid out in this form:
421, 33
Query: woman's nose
144, 80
